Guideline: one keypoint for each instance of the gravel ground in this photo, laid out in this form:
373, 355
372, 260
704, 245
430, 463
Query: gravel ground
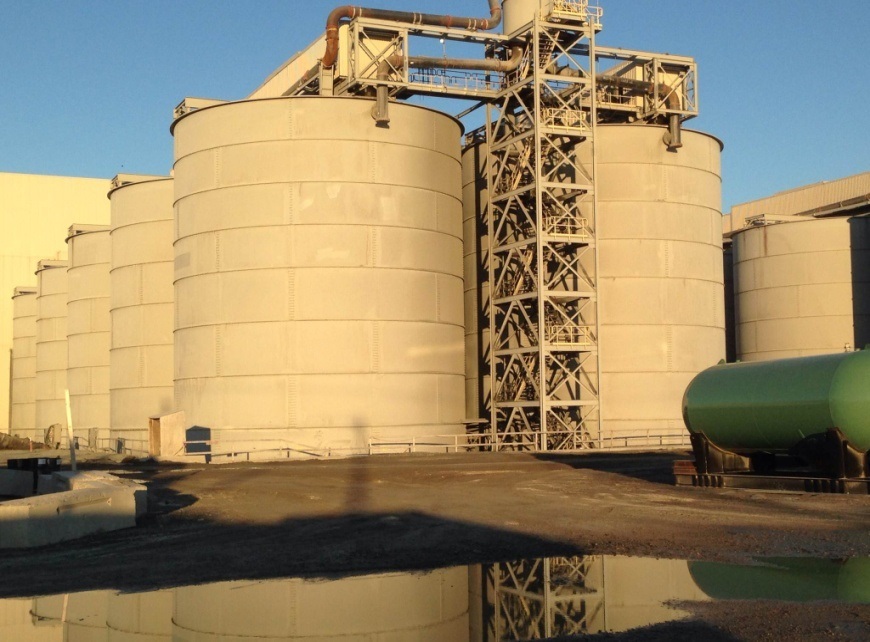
407, 512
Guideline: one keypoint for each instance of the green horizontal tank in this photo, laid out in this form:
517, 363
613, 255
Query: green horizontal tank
773, 405
789, 580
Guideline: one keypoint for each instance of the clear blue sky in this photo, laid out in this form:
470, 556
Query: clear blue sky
88, 86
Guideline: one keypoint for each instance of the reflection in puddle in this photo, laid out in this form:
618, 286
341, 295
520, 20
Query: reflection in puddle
524, 600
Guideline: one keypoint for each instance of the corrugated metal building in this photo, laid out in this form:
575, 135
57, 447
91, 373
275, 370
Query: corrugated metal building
819, 199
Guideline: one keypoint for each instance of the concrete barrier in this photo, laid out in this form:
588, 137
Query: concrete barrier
16, 483
82, 503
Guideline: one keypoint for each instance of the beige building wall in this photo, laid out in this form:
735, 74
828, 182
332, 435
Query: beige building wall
35, 213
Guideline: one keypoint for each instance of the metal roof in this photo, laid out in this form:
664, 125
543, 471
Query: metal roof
807, 200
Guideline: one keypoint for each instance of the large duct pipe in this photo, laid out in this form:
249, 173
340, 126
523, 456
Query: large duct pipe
380, 111
349, 12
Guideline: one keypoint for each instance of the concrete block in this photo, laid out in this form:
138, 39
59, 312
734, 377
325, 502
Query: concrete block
93, 502
16, 483
47, 484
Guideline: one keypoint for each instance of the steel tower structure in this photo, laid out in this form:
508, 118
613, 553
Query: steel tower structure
543, 260
542, 598
546, 87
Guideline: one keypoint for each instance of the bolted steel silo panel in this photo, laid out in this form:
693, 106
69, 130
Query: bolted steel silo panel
424, 607
318, 275
475, 196
661, 296
88, 327
140, 617
22, 416
141, 305
802, 288
84, 616
51, 347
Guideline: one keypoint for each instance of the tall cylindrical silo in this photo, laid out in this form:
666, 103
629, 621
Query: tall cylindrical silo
142, 308
22, 401
475, 197
389, 607
51, 347
318, 267
660, 289
661, 292
802, 287
140, 617
88, 331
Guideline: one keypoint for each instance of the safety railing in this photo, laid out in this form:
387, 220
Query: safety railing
454, 81
571, 7
568, 119
567, 226
431, 443
574, 441
484, 441
572, 335
531, 441
579, 10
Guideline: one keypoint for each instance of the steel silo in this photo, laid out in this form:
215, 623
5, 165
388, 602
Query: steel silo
802, 287
51, 346
661, 286
475, 197
84, 616
22, 402
318, 276
88, 331
142, 296
140, 617
388, 607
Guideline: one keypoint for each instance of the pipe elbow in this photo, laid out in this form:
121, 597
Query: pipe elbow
333, 21
494, 19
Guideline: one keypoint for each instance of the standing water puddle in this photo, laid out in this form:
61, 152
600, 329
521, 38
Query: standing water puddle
523, 600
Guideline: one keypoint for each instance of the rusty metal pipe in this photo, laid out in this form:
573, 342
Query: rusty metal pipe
397, 60
349, 12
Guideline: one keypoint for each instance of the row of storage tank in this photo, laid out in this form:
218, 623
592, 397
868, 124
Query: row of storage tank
305, 268
100, 326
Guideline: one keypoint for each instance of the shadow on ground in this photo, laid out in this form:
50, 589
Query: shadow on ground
656, 467
163, 553
681, 631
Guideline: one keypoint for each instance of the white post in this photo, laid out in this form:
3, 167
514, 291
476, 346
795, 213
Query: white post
69, 432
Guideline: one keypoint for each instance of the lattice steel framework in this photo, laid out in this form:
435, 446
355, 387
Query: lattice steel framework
543, 598
542, 231
541, 253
